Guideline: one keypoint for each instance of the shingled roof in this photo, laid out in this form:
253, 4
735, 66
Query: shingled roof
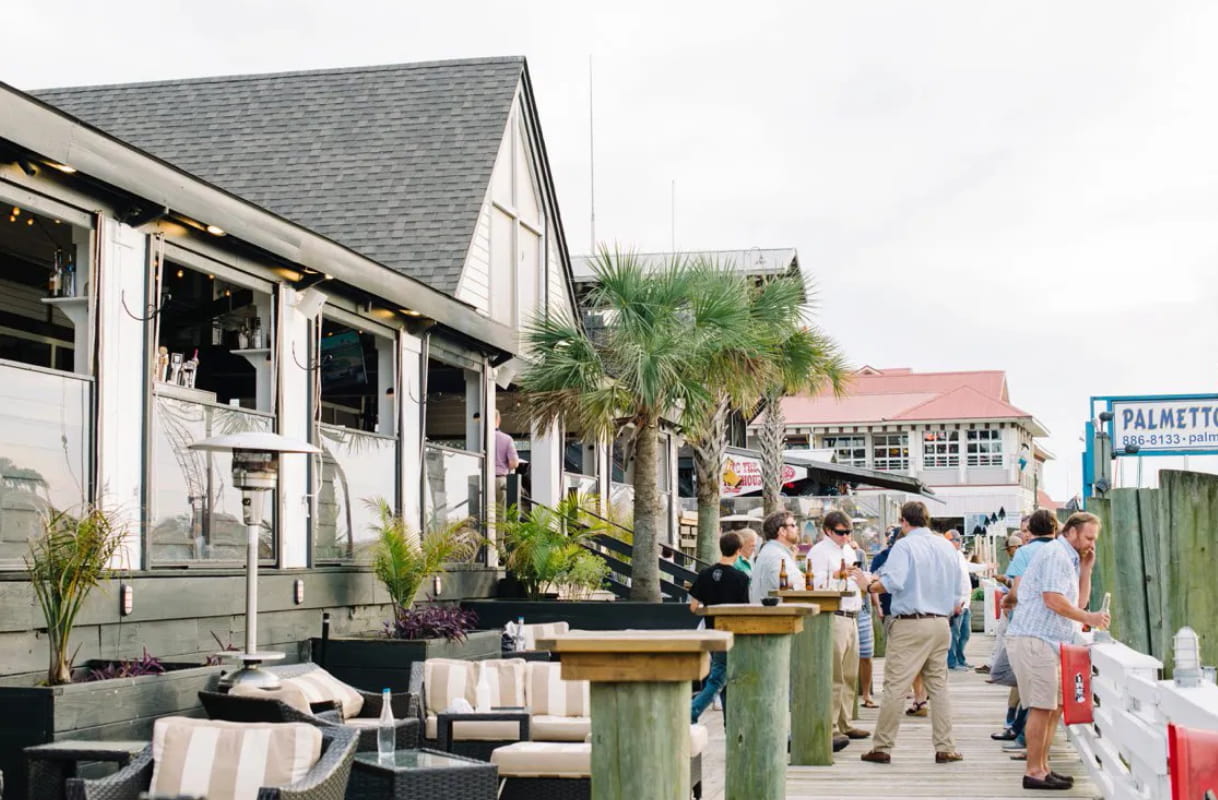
390, 161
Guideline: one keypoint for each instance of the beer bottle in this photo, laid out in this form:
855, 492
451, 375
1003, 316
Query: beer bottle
808, 574
784, 583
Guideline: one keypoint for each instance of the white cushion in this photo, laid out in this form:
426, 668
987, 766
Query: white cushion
288, 693
229, 760
549, 728
445, 679
506, 679
477, 730
544, 760
549, 694
320, 686
534, 631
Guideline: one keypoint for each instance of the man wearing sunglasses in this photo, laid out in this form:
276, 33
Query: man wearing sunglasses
832, 562
781, 534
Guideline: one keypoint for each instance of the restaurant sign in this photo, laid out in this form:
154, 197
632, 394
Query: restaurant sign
1164, 425
742, 475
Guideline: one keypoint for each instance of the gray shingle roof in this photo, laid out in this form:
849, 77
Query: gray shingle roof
390, 161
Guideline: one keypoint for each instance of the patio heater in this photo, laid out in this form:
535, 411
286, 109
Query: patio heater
255, 472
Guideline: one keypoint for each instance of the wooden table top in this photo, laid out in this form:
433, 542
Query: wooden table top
654, 641
751, 610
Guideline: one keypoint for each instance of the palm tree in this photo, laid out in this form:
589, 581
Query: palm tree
655, 357
805, 362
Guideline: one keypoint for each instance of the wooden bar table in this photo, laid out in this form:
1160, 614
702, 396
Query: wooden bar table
640, 705
759, 686
812, 679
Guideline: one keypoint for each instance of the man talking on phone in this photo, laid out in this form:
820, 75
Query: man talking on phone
1050, 591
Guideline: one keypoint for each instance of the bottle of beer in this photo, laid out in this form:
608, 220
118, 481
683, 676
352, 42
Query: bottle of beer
784, 583
808, 574
55, 282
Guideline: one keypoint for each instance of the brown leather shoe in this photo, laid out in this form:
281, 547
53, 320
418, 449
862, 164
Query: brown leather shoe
876, 757
947, 758
857, 733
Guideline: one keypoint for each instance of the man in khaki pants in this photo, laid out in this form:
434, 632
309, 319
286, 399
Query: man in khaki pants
922, 574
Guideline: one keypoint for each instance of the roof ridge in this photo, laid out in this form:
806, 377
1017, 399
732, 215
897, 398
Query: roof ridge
963, 387
251, 76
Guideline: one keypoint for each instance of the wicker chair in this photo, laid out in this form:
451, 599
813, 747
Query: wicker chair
480, 749
244, 708
327, 780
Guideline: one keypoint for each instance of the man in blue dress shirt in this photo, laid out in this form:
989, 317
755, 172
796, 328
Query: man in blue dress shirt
922, 574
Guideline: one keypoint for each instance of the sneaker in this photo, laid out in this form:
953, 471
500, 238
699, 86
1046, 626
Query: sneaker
1017, 743
984, 669
840, 743
876, 757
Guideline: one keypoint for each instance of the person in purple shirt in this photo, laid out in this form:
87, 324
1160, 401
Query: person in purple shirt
506, 461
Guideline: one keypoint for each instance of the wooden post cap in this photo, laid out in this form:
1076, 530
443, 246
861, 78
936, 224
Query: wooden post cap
827, 599
748, 619
654, 656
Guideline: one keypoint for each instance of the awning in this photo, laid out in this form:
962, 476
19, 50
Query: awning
829, 472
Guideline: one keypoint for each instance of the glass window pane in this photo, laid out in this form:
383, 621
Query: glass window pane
357, 469
454, 487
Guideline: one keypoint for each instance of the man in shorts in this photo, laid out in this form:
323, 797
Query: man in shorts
1048, 615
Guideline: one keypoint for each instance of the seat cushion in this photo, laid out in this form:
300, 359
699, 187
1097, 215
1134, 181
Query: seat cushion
506, 679
549, 694
287, 693
445, 679
320, 686
479, 730
544, 760
533, 632
549, 728
229, 760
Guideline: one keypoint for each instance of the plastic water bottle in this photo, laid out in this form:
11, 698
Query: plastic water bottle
519, 633
386, 734
482, 692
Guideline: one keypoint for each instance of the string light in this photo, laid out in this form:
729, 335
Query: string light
16, 211
181, 273
211, 277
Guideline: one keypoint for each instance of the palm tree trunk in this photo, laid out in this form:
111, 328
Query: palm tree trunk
708, 467
771, 438
645, 555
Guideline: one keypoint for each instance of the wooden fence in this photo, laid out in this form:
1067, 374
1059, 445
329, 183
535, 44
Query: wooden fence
1158, 556
1125, 748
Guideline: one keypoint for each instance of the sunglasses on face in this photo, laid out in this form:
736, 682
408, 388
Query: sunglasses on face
843, 531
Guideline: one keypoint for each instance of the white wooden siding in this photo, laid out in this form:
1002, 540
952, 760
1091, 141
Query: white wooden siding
475, 285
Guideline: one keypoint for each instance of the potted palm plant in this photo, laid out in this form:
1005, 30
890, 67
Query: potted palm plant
99, 699
404, 561
544, 550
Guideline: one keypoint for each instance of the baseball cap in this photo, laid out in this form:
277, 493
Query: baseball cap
1014, 541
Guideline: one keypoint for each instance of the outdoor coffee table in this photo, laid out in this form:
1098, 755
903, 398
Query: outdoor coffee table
421, 774
49, 765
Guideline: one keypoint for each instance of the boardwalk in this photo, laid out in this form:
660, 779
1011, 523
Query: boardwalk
986, 772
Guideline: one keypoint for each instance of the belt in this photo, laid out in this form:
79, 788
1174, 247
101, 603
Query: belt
851, 614
921, 616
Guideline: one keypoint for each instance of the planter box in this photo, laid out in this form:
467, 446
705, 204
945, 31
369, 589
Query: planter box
373, 662
120, 708
587, 615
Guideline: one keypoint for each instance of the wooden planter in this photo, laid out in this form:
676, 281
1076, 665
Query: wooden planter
373, 662
587, 615
120, 708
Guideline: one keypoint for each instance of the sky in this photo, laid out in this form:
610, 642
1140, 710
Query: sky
1029, 186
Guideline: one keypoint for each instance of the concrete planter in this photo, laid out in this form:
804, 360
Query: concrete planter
373, 662
120, 708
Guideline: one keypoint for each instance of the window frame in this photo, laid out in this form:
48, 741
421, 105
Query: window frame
886, 462
984, 451
831, 441
941, 449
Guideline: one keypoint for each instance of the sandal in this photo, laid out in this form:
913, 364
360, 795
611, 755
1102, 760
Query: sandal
869, 704
917, 710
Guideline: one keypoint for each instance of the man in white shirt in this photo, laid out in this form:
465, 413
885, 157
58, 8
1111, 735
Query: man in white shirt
781, 534
832, 562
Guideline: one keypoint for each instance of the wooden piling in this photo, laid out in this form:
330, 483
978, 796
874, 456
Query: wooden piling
812, 710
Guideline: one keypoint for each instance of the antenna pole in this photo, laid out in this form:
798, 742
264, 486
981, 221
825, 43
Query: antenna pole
591, 160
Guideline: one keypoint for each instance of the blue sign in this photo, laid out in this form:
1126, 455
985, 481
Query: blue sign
1164, 425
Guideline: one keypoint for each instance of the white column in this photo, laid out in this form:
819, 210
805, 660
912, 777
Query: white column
476, 392
410, 405
386, 369
486, 380
295, 386
545, 469
121, 381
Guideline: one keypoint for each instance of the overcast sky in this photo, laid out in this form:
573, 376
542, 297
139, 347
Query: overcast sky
1026, 186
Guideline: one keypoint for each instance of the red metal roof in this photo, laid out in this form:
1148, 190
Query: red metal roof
887, 395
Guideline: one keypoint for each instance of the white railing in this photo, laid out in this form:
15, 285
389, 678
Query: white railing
1125, 749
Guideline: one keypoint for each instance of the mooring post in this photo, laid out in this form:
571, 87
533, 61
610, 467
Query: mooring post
758, 684
812, 709
640, 705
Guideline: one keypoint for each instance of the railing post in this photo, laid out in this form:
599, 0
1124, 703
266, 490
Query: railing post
812, 680
640, 705
758, 681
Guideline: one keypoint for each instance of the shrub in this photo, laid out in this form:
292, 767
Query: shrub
403, 560
432, 622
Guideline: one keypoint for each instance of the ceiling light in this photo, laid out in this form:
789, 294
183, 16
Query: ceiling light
181, 273
61, 167
410, 312
16, 211
215, 230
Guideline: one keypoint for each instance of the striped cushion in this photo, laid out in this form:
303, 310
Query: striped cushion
286, 693
543, 759
506, 678
535, 631
549, 694
320, 686
229, 760
445, 679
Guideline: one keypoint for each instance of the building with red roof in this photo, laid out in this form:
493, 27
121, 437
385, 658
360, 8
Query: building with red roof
957, 432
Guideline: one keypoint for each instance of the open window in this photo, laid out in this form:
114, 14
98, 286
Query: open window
454, 453
45, 385
356, 372
213, 368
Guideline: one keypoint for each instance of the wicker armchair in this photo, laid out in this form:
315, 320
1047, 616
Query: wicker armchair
327, 780
244, 708
480, 749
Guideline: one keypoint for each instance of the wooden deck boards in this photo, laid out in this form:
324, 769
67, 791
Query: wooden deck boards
986, 773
